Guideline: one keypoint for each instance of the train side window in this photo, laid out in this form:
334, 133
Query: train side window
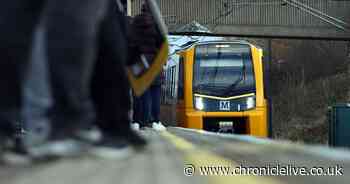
174, 80
180, 92
171, 83
168, 83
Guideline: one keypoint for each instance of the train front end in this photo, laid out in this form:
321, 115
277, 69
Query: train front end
227, 91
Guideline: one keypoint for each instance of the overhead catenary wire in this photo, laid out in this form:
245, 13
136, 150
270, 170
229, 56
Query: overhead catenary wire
228, 8
318, 14
232, 6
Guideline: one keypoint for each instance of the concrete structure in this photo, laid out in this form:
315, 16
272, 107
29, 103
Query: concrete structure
274, 18
179, 156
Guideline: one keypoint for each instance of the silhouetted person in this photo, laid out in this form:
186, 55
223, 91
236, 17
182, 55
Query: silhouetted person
70, 32
73, 32
110, 85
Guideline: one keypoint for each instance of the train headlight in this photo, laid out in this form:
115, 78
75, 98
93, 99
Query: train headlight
199, 103
250, 102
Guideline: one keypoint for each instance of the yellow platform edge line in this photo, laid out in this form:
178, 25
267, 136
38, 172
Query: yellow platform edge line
199, 157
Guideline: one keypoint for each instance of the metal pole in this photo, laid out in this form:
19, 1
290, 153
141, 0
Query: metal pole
268, 90
348, 49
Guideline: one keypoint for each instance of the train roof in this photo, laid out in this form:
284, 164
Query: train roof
196, 43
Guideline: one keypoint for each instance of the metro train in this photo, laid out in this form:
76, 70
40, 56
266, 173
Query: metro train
219, 86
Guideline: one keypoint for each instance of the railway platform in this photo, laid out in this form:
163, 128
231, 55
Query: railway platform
188, 156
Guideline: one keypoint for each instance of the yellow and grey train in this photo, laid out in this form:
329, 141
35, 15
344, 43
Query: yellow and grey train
218, 86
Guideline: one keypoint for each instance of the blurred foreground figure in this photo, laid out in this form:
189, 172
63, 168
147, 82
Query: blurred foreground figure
72, 33
110, 85
18, 19
152, 104
36, 96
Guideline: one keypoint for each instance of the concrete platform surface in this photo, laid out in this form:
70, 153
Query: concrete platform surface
188, 156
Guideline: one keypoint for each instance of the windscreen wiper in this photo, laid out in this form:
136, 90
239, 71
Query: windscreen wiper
241, 78
216, 68
207, 88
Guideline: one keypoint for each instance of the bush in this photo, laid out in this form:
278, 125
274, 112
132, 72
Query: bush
311, 76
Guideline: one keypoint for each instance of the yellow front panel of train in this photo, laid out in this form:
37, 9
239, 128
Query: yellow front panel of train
223, 87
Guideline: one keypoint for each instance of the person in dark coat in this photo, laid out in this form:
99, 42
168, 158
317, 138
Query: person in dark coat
110, 86
71, 33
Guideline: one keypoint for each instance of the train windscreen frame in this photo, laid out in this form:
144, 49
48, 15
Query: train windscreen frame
223, 69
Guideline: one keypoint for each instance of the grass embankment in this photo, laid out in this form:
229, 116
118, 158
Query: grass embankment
300, 111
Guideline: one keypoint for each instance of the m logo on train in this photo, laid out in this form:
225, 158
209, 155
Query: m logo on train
225, 105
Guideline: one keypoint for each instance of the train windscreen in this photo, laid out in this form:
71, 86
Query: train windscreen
223, 70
